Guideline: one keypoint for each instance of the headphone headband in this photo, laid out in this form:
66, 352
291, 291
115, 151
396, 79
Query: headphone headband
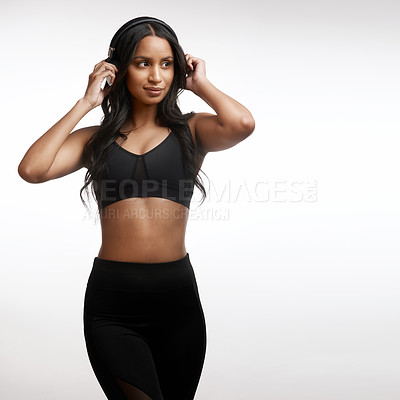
130, 24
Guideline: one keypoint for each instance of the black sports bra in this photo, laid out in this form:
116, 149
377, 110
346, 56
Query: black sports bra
157, 173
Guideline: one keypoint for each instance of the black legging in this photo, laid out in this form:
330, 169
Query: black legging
144, 329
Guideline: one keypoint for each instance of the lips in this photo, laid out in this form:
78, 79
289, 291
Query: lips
154, 91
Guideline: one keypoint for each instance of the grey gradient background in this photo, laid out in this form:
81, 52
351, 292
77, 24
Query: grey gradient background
301, 294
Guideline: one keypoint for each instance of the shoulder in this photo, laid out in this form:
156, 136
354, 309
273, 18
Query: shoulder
195, 119
193, 124
88, 131
213, 135
82, 136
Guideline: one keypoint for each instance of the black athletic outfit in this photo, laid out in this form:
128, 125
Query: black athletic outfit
144, 325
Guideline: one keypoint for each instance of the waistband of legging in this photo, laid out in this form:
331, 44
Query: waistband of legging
141, 268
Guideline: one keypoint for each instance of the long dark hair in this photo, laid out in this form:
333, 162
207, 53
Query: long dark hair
117, 108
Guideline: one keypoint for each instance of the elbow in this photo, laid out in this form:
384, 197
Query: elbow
248, 125
27, 176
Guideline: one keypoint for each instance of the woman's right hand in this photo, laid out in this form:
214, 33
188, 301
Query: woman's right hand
94, 93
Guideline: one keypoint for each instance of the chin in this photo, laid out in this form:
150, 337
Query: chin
152, 100
146, 100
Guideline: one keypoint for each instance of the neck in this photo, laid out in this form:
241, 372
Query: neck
142, 115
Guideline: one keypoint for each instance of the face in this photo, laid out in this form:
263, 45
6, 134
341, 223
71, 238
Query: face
152, 67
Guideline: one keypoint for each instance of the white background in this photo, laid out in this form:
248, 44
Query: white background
300, 293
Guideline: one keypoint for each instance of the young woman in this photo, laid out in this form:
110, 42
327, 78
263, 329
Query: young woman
144, 325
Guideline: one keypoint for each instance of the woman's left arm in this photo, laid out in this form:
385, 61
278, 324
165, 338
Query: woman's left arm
233, 122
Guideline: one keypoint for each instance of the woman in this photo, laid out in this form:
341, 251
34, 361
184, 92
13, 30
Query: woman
144, 325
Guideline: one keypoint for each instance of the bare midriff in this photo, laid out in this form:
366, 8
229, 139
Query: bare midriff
143, 229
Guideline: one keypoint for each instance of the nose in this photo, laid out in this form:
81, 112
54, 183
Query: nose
155, 75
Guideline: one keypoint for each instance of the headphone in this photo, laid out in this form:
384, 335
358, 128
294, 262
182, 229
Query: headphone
130, 24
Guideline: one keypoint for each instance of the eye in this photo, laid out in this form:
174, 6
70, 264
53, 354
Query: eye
143, 62
166, 63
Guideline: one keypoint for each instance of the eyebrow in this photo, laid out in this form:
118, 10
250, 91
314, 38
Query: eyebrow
149, 58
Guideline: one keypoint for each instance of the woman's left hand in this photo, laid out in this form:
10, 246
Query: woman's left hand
197, 72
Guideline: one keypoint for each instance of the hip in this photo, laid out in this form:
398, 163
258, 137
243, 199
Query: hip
143, 292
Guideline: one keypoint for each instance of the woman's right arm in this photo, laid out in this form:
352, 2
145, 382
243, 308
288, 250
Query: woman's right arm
40, 156
58, 152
